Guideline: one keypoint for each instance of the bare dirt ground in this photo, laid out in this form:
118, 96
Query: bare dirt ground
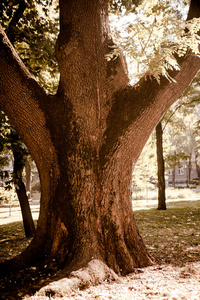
172, 237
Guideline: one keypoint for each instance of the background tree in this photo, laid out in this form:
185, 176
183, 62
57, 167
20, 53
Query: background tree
10, 142
84, 140
20, 159
180, 136
181, 131
144, 175
161, 168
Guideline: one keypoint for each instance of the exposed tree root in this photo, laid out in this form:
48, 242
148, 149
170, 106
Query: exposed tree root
94, 273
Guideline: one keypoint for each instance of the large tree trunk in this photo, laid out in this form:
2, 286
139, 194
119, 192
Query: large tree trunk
161, 167
84, 141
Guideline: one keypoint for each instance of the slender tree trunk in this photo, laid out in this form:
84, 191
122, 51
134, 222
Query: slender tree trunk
189, 172
174, 176
161, 168
28, 179
29, 226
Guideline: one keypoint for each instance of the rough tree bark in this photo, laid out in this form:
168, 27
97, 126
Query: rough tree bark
161, 167
84, 140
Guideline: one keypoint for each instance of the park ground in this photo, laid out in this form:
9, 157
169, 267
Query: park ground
172, 238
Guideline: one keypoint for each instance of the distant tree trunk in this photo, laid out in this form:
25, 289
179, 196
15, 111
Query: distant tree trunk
189, 171
161, 168
174, 176
29, 227
28, 180
198, 169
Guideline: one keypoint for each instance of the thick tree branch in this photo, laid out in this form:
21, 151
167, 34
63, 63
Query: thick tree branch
137, 111
25, 104
21, 97
24, 101
194, 11
13, 68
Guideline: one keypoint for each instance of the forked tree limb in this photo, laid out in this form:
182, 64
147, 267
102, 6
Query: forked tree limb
137, 109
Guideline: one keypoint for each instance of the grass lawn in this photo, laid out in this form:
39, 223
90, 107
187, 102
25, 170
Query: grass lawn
12, 240
171, 236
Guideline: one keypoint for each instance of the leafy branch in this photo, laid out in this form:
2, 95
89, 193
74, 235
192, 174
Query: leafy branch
153, 38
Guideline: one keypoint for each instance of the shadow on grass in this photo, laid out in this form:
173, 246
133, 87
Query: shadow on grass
12, 240
172, 236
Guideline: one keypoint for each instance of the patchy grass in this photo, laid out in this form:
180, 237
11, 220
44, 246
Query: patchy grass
12, 240
172, 236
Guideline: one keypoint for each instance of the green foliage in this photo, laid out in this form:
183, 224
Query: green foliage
180, 134
153, 37
26, 22
145, 171
11, 143
123, 5
174, 159
180, 139
7, 196
4, 152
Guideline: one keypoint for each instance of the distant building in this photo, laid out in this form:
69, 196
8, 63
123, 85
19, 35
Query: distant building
185, 174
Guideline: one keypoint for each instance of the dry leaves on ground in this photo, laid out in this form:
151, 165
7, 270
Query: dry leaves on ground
163, 282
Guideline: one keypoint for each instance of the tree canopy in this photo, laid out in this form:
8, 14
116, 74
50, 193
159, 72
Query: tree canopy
153, 36
26, 21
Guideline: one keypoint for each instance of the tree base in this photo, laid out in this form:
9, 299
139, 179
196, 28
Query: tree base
93, 274
162, 208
